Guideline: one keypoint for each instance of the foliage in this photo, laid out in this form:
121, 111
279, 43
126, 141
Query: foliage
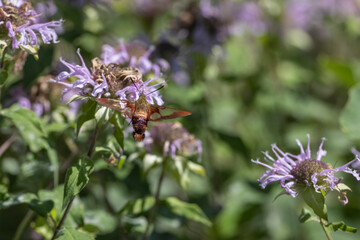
248, 81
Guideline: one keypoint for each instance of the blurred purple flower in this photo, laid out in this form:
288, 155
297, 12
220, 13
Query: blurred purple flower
356, 165
294, 171
309, 14
250, 18
107, 80
172, 139
20, 22
133, 55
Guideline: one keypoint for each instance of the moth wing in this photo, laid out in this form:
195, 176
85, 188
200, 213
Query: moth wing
122, 106
158, 113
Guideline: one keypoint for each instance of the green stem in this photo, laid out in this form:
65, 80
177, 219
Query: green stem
157, 198
26, 220
326, 231
90, 152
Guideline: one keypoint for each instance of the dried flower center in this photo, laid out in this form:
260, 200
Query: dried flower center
303, 170
16, 15
117, 77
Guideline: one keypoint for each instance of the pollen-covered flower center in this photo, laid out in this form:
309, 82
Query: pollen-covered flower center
303, 170
16, 15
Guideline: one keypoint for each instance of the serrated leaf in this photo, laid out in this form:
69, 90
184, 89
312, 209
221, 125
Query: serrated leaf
88, 113
67, 233
137, 206
76, 179
316, 201
3, 76
30, 126
188, 210
334, 226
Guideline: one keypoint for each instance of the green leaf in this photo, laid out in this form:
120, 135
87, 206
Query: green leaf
88, 113
334, 226
196, 168
350, 117
73, 234
33, 50
30, 126
76, 179
103, 115
137, 206
3, 76
99, 221
306, 216
316, 201
40, 207
118, 121
188, 210
76, 98
280, 194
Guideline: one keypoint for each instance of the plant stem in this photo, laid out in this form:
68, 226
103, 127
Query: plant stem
90, 151
3, 58
157, 195
62, 219
26, 220
326, 231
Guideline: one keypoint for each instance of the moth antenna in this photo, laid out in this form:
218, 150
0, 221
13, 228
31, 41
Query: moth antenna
135, 85
155, 90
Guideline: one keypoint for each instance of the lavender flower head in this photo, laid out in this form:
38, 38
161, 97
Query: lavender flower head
20, 22
107, 80
172, 139
134, 55
298, 171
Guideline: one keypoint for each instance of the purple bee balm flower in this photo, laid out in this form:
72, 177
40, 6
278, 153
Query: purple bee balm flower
298, 171
20, 22
134, 55
107, 80
172, 139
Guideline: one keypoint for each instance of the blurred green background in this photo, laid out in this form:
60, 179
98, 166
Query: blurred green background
258, 72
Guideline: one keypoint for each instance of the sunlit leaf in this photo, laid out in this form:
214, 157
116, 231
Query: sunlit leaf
76, 179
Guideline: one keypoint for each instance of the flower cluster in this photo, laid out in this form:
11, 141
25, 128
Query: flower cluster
298, 171
133, 55
172, 139
107, 80
20, 22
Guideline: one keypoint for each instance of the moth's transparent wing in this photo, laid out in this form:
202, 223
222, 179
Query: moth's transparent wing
125, 107
158, 113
